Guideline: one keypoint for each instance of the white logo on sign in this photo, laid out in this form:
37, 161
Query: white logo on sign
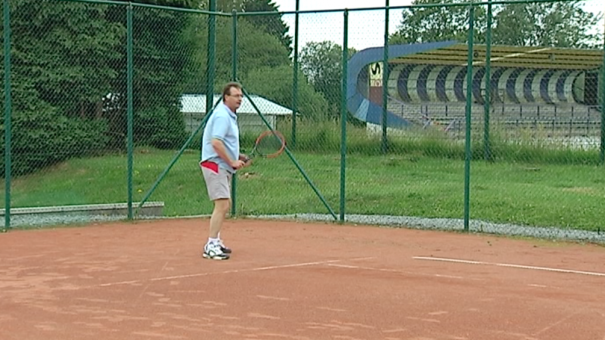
376, 74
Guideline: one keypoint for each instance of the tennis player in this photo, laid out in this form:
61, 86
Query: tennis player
221, 158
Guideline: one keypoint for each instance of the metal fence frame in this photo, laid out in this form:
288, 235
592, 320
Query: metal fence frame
212, 15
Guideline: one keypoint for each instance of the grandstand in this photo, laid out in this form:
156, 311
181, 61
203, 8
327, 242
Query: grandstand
552, 89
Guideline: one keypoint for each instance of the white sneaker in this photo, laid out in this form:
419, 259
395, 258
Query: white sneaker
213, 251
224, 248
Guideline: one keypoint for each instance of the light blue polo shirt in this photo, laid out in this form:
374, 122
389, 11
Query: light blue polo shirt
222, 125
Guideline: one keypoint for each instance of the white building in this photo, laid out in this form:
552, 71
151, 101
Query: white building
194, 109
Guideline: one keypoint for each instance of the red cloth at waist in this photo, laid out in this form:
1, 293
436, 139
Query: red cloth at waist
210, 165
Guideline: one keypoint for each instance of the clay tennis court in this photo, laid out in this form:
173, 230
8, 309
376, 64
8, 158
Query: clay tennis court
289, 280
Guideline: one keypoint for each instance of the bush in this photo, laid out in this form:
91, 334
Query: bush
42, 137
163, 128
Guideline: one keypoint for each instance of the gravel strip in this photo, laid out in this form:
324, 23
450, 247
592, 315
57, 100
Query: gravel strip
452, 224
45, 220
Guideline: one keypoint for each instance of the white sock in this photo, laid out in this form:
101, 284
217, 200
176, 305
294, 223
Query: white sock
213, 240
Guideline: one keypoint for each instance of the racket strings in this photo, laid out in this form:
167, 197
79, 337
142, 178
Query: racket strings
269, 144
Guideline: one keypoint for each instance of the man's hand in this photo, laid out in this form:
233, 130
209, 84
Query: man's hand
237, 164
244, 158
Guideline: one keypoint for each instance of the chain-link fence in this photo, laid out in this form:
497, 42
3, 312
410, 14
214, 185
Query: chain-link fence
478, 116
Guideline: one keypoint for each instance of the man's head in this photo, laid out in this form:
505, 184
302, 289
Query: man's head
232, 96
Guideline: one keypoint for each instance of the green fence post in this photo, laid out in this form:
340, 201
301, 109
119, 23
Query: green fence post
343, 115
602, 155
469, 108
7, 116
130, 113
488, 85
295, 77
211, 62
234, 78
234, 45
384, 146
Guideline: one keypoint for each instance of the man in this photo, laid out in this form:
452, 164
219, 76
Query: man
220, 160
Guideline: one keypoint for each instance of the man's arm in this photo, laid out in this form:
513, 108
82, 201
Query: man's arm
219, 147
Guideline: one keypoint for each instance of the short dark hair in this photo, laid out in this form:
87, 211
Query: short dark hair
229, 86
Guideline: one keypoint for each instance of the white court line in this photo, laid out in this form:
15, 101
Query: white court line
537, 286
390, 270
567, 271
233, 271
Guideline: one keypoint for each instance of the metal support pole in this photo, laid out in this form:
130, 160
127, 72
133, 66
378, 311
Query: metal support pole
129, 106
295, 77
384, 146
343, 116
234, 78
7, 116
487, 149
469, 109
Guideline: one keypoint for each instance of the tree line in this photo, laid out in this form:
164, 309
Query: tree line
548, 24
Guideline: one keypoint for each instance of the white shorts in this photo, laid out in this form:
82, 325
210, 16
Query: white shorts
218, 181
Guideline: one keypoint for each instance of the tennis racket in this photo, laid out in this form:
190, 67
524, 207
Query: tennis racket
269, 144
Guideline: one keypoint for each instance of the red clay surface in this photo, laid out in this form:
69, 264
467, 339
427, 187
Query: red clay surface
295, 281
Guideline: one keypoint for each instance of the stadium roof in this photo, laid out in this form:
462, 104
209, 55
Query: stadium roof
509, 56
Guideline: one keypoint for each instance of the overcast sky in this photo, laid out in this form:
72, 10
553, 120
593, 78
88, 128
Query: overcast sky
366, 28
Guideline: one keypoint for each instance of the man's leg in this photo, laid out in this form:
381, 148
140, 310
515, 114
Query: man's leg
213, 248
221, 208
216, 223
219, 191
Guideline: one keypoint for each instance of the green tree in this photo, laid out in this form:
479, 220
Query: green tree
60, 50
560, 24
62, 65
69, 78
321, 63
557, 24
275, 83
430, 24
225, 6
270, 23
255, 49
163, 58
170, 3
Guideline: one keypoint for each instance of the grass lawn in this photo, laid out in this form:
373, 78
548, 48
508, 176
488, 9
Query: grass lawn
544, 195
